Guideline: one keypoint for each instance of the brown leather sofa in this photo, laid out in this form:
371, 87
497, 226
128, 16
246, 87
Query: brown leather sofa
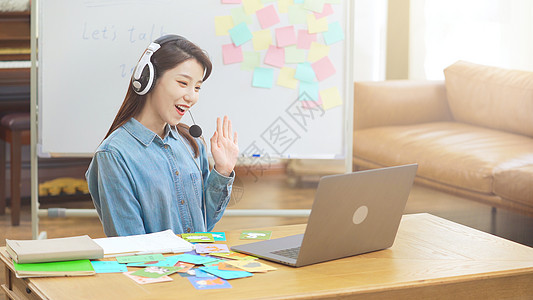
471, 134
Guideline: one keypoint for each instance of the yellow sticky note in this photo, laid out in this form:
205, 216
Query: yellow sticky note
261, 39
317, 51
286, 78
316, 26
251, 6
223, 24
330, 98
283, 5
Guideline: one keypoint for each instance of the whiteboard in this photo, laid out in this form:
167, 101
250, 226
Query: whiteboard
88, 49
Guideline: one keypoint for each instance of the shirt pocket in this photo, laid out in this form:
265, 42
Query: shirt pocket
197, 185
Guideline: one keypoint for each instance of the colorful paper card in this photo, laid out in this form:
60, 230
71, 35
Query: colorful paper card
297, 14
227, 275
195, 259
305, 72
223, 24
239, 16
275, 56
209, 283
334, 33
283, 5
251, 266
261, 39
231, 1
323, 68
285, 36
183, 267
234, 255
305, 39
110, 266
263, 77
140, 258
314, 25
56, 266
169, 261
250, 61
314, 5
210, 248
327, 11
317, 51
255, 235
294, 55
308, 91
331, 98
286, 78
155, 272
198, 237
203, 274
231, 54
267, 16
217, 236
251, 6
146, 280
240, 34
227, 267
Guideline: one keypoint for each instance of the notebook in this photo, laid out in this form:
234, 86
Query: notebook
352, 213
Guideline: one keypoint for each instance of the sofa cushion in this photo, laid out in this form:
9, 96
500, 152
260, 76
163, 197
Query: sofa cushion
452, 153
491, 97
514, 180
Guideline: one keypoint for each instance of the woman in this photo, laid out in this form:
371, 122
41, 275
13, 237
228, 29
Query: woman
149, 174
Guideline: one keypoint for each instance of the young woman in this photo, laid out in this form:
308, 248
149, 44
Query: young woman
149, 174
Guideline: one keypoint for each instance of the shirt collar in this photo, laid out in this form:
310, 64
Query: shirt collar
144, 135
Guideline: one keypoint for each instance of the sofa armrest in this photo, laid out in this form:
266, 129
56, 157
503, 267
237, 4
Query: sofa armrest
399, 102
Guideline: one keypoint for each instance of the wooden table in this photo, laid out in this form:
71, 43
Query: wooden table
432, 258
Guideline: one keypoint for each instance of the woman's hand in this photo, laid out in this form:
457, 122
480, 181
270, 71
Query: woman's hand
224, 147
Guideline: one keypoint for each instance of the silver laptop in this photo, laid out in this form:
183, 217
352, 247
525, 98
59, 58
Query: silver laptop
352, 213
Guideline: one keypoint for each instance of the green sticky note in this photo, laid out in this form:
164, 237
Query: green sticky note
239, 16
294, 55
314, 5
58, 266
308, 91
334, 33
263, 78
140, 258
297, 14
255, 235
251, 60
240, 34
305, 72
198, 237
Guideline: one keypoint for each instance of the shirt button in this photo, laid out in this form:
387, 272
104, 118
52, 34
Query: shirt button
182, 202
177, 173
188, 230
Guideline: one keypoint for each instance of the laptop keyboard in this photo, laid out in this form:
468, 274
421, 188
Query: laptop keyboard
290, 252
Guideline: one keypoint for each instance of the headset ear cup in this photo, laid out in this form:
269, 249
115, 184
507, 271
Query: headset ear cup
146, 80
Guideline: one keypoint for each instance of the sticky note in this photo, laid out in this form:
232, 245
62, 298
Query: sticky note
231, 1
299, 1
323, 68
240, 16
267, 16
297, 14
315, 26
240, 34
285, 36
330, 98
294, 55
275, 56
223, 24
251, 6
251, 60
231, 54
263, 78
283, 5
261, 39
286, 78
305, 39
268, 1
334, 33
328, 10
308, 91
317, 51
332, 1
311, 104
314, 5
304, 72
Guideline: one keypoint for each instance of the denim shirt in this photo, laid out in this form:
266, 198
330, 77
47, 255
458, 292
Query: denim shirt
141, 183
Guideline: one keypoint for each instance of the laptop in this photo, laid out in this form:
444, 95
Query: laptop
353, 213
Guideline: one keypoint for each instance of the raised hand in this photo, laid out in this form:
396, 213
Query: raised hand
224, 147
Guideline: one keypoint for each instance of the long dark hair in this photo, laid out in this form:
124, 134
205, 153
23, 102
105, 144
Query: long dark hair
171, 54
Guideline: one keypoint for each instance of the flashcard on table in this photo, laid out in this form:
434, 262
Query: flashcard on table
226, 274
267, 16
305, 72
328, 10
314, 5
323, 68
239, 16
195, 259
294, 55
185, 267
316, 26
217, 236
231, 54
110, 266
331, 98
189, 273
140, 258
285, 36
286, 78
308, 91
227, 267
251, 6
261, 39
305, 39
146, 280
214, 263
255, 235
198, 237
251, 60
275, 56
317, 51
334, 33
209, 283
263, 77
251, 266
234, 255
223, 24
203, 274
169, 261
154, 272
297, 14
240, 34
211, 248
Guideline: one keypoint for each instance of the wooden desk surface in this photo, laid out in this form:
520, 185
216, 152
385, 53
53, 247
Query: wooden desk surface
431, 258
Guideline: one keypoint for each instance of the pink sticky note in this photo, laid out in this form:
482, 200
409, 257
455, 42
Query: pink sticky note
326, 11
285, 36
311, 104
231, 54
275, 56
231, 1
305, 39
323, 68
267, 16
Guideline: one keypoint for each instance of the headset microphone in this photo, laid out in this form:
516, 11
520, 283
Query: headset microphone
194, 130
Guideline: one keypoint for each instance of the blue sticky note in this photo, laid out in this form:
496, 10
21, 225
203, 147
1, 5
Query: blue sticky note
195, 259
299, 1
217, 236
308, 91
263, 78
209, 283
240, 34
111, 266
334, 33
224, 274
305, 72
